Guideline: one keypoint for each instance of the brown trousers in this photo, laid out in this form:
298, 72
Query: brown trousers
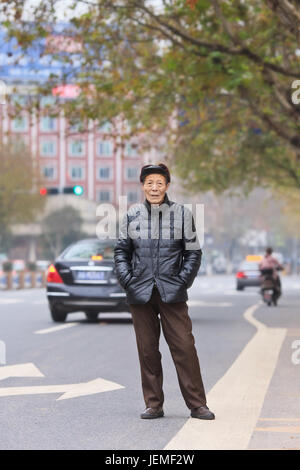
177, 328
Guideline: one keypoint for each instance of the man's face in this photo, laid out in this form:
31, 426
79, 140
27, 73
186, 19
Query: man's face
155, 187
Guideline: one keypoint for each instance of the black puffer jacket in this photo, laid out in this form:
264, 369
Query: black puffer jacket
156, 249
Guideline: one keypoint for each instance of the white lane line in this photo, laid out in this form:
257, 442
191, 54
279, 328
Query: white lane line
237, 398
55, 328
11, 301
201, 303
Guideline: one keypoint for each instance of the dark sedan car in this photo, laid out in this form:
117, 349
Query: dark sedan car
83, 278
248, 275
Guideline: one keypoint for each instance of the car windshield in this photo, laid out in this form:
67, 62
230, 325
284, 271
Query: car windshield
249, 266
94, 249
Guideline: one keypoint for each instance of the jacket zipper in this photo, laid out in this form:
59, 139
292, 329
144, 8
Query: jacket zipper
159, 233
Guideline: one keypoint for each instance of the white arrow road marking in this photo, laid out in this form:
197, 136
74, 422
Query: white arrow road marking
90, 388
55, 328
237, 398
20, 370
69, 391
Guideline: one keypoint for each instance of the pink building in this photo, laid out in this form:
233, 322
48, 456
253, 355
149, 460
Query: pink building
68, 156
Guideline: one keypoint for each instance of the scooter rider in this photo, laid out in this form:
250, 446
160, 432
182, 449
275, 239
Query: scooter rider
270, 262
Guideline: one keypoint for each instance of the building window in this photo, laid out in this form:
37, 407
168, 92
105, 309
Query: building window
48, 148
130, 150
132, 196
76, 148
104, 195
20, 100
104, 148
77, 173
47, 101
106, 127
20, 124
77, 127
131, 173
104, 173
48, 124
49, 172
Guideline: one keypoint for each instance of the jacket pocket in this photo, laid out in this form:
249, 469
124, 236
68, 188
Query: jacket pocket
175, 270
176, 274
137, 271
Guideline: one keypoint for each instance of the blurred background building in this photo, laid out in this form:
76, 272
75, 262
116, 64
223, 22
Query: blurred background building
92, 156
83, 165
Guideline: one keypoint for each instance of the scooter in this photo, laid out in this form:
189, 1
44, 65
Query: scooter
269, 287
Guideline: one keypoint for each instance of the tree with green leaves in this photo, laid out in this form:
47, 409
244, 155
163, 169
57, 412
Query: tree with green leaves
60, 228
20, 201
214, 78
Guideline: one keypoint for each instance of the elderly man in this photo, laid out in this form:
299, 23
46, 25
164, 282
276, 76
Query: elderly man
156, 262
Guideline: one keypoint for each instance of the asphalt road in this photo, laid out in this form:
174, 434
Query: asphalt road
78, 386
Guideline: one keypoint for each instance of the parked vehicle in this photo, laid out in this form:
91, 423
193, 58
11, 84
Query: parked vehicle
83, 278
219, 265
248, 275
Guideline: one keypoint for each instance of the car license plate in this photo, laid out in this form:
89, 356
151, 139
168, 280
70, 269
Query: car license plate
252, 274
90, 275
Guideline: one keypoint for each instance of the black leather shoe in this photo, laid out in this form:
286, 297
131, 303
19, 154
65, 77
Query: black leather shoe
152, 413
203, 412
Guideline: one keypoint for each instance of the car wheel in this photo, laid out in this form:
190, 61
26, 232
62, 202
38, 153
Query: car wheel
57, 316
91, 316
238, 287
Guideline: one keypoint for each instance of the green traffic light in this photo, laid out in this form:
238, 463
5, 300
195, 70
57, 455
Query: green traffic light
78, 190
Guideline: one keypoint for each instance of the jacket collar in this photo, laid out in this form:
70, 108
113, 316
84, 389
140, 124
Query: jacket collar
165, 201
